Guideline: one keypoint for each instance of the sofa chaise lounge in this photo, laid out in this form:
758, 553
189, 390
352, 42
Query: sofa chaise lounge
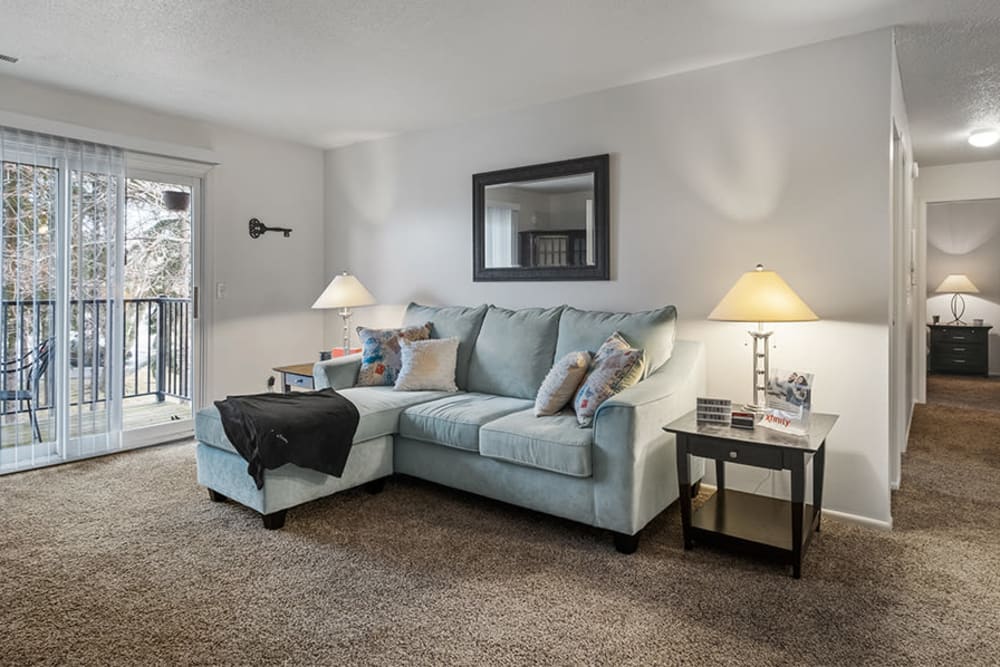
617, 474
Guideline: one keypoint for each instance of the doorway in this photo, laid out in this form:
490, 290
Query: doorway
160, 333
963, 303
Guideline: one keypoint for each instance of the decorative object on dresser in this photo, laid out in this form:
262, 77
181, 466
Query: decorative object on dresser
957, 284
756, 525
543, 221
761, 296
345, 292
959, 349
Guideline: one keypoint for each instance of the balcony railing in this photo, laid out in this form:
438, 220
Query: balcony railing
155, 348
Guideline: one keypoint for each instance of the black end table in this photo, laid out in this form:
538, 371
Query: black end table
745, 522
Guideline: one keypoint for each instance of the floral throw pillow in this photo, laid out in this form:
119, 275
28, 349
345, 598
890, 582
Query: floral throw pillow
617, 366
380, 357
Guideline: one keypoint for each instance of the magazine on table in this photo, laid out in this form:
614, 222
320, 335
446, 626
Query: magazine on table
789, 402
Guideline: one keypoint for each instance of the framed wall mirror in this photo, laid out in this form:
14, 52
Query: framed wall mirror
542, 222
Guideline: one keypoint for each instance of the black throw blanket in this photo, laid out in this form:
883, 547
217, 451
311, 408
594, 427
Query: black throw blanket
310, 429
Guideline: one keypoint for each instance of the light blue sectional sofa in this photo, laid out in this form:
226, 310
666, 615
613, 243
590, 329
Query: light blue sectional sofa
617, 474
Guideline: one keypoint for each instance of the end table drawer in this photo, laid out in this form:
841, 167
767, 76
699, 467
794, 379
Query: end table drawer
303, 381
735, 452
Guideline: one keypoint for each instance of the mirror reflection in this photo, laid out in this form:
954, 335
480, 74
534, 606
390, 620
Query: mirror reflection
541, 223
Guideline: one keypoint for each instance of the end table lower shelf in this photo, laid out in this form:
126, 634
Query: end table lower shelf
751, 523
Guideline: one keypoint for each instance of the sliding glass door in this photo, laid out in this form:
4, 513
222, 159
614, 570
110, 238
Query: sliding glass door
61, 266
98, 335
160, 333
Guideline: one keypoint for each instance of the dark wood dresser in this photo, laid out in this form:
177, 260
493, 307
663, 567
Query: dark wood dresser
959, 349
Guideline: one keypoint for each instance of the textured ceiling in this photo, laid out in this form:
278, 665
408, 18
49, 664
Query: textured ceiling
330, 72
951, 82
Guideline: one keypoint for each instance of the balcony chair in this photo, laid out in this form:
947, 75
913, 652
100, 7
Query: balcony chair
31, 366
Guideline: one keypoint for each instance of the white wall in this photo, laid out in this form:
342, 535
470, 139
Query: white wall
956, 182
271, 282
779, 159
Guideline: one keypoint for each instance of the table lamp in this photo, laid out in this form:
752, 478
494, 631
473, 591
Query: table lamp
345, 292
761, 296
957, 284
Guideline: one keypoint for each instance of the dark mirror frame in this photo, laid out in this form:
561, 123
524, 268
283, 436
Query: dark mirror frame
599, 165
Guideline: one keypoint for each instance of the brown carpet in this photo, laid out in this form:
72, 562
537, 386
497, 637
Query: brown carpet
964, 391
124, 560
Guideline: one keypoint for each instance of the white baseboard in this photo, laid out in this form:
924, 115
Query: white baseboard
843, 516
859, 520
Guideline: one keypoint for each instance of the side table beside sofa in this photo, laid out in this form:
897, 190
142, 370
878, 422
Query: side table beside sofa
780, 529
616, 475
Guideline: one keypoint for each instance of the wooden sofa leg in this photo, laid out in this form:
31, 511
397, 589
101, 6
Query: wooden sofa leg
375, 486
216, 496
275, 520
626, 544
696, 489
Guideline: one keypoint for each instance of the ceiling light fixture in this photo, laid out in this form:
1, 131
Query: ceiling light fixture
984, 138
8, 59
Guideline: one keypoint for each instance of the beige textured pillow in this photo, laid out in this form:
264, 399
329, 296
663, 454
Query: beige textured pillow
561, 383
427, 364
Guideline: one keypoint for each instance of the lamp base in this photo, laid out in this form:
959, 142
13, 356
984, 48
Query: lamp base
346, 314
957, 310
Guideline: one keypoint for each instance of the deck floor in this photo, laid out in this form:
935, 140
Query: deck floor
137, 412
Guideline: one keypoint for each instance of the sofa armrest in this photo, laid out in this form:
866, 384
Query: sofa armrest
634, 462
338, 373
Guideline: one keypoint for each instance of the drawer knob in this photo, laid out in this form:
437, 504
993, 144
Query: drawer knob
733, 455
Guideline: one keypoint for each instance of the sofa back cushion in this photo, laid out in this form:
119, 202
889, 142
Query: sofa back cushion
514, 351
652, 331
451, 322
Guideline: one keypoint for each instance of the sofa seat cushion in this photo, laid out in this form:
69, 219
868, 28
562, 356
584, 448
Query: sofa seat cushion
379, 408
454, 421
555, 443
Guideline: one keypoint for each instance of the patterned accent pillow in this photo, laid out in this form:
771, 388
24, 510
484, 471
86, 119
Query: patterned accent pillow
428, 364
380, 360
561, 383
617, 366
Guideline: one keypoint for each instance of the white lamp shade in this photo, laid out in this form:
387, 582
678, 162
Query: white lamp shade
957, 283
762, 296
344, 291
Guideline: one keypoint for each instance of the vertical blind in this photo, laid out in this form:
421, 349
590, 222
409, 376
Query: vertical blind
61, 259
